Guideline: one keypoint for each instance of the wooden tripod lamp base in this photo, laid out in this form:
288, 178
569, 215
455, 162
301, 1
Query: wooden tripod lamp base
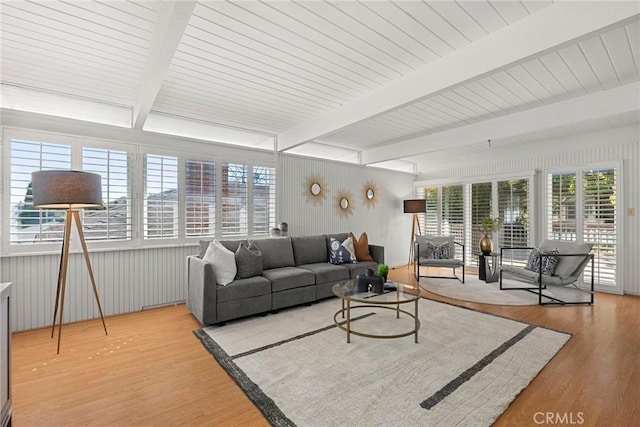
70, 190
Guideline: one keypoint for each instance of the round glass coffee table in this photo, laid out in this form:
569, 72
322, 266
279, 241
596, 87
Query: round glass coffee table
390, 300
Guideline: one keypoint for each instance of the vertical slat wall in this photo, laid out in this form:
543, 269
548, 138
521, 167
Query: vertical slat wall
385, 223
620, 145
127, 280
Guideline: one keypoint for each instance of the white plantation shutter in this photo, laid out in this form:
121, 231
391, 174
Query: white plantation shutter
234, 214
600, 222
264, 199
160, 196
113, 220
561, 206
430, 223
29, 224
513, 210
480, 208
453, 212
200, 198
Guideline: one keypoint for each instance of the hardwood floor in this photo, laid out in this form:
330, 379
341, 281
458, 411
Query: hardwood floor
151, 370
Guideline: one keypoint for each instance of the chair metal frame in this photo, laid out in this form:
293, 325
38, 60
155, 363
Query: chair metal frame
540, 287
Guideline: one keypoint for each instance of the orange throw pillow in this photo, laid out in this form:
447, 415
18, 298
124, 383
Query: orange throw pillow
361, 246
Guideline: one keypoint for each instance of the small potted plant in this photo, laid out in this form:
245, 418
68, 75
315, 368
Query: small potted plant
383, 271
489, 225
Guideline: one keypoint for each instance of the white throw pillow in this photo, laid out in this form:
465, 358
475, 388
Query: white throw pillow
224, 262
348, 244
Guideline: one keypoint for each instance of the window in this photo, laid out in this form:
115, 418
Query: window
599, 219
429, 219
453, 212
113, 220
29, 224
234, 200
480, 208
160, 196
264, 199
513, 210
581, 206
561, 189
200, 195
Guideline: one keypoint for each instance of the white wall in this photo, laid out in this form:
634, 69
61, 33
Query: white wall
614, 145
385, 224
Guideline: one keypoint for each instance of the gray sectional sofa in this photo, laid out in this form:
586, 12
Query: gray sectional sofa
296, 270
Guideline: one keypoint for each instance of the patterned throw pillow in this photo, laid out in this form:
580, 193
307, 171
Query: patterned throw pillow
248, 261
339, 254
438, 251
533, 263
549, 262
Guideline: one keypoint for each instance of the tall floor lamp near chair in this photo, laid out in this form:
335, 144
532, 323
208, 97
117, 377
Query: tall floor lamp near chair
414, 206
70, 190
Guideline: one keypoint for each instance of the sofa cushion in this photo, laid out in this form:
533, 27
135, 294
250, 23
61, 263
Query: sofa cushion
244, 288
288, 278
340, 237
342, 252
223, 262
567, 265
276, 252
325, 272
248, 261
309, 249
361, 247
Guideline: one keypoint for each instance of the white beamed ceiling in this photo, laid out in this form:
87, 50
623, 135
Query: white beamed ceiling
290, 68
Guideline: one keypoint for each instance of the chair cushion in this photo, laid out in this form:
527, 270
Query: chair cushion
567, 265
276, 252
309, 249
431, 262
435, 247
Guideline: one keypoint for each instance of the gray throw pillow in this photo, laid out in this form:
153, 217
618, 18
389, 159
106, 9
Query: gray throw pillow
248, 261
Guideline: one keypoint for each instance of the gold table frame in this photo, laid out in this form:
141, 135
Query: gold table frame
368, 300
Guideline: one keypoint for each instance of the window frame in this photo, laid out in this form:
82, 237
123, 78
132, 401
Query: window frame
136, 153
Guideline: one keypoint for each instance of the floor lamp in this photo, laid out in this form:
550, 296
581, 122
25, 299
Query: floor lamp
70, 190
414, 206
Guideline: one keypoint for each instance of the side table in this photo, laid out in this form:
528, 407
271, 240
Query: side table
488, 267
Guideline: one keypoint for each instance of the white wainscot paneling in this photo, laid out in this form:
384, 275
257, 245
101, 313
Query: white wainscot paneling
127, 280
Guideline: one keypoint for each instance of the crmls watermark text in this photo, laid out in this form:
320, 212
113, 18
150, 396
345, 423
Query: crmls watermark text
559, 418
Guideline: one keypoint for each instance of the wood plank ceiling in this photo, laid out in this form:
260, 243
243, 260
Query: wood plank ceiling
281, 68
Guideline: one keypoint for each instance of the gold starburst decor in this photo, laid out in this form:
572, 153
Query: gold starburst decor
370, 194
345, 203
315, 189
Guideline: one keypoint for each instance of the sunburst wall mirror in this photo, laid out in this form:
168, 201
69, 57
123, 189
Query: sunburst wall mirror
344, 203
315, 189
370, 194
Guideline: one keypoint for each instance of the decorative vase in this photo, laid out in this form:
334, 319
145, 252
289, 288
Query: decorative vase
284, 228
486, 245
384, 278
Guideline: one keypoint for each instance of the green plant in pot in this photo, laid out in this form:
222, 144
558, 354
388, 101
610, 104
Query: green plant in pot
489, 225
383, 271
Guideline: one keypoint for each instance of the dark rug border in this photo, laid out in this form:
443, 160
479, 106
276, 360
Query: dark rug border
276, 417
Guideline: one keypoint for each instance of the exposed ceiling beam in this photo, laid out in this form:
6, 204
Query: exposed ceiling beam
552, 28
173, 19
581, 109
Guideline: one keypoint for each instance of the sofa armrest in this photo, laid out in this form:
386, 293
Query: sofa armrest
201, 295
377, 253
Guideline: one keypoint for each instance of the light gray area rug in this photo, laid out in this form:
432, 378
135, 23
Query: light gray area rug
298, 369
476, 290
